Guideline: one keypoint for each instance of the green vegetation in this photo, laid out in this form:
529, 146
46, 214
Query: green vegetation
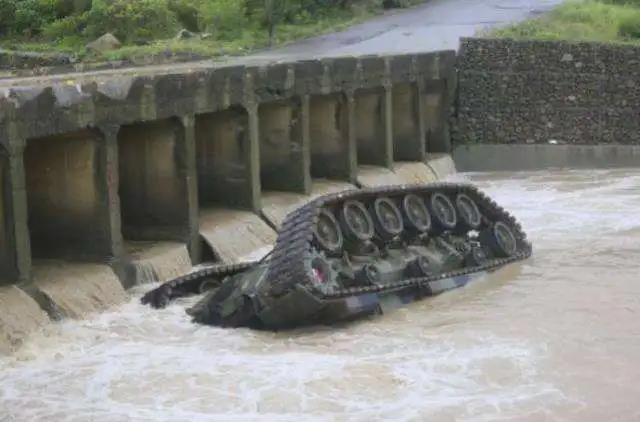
148, 27
587, 20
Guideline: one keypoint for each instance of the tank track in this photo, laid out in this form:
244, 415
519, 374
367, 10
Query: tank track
192, 283
294, 243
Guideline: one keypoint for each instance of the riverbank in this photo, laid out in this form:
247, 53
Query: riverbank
615, 21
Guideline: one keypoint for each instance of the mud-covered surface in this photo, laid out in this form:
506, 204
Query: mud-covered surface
553, 337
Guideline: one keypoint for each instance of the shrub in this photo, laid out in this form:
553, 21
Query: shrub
629, 26
67, 26
7, 16
31, 15
226, 19
188, 13
132, 20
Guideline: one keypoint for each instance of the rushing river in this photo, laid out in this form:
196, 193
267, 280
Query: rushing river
556, 337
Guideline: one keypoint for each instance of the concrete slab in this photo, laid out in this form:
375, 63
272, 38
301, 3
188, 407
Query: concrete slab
277, 205
539, 157
442, 165
411, 172
372, 176
20, 315
156, 261
233, 235
75, 289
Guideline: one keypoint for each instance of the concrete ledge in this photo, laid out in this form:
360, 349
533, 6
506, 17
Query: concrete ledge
20, 315
235, 235
156, 262
277, 205
74, 290
442, 165
411, 172
538, 157
372, 176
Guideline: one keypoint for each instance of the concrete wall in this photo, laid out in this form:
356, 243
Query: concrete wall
408, 128
64, 196
540, 91
7, 247
153, 181
518, 157
330, 130
371, 128
138, 155
283, 166
223, 162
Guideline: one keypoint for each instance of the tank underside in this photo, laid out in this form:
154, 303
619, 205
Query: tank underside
357, 253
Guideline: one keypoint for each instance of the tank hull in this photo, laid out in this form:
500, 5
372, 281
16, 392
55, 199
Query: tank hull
294, 310
357, 253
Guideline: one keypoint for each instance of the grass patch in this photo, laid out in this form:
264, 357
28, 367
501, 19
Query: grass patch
587, 20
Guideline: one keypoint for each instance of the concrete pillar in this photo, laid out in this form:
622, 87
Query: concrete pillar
352, 137
154, 185
108, 183
373, 118
284, 158
68, 196
387, 110
408, 128
188, 152
332, 137
15, 252
252, 157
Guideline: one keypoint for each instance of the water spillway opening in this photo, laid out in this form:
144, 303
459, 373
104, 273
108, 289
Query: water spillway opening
154, 200
408, 148
229, 229
65, 197
222, 158
153, 181
281, 148
8, 270
435, 116
157, 261
374, 151
284, 171
329, 133
370, 127
406, 128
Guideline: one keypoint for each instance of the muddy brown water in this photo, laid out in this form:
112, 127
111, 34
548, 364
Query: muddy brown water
554, 338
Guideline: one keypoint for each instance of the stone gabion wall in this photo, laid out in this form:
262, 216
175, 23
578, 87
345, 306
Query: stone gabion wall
539, 91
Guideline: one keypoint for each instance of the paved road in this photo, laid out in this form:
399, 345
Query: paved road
435, 25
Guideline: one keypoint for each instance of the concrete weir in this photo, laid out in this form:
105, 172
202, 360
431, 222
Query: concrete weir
114, 178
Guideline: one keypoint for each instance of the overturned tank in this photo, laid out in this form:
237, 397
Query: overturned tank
356, 253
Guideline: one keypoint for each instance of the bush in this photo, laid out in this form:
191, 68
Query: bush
226, 19
65, 27
7, 16
131, 20
188, 13
31, 15
629, 26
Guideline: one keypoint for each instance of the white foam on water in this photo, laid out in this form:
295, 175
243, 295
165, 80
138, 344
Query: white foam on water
554, 337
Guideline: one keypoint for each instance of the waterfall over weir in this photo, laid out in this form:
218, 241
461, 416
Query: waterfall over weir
157, 261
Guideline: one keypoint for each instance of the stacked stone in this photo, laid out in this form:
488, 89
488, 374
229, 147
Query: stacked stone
546, 91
